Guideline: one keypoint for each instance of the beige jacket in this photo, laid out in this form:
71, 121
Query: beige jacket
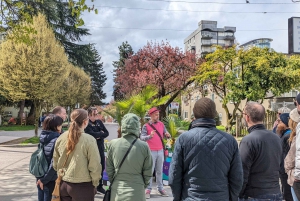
289, 163
83, 164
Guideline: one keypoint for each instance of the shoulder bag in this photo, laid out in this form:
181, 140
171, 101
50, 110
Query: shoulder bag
108, 191
56, 193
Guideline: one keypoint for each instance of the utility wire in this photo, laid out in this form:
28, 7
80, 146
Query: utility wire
194, 11
148, 29
212, 2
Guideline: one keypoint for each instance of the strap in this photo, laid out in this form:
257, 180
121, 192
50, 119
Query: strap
122, 162
158, 134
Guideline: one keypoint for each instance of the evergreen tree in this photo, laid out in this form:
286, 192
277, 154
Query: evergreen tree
64, 23
125, 50
98, 78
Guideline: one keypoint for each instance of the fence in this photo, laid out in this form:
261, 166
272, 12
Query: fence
240, 130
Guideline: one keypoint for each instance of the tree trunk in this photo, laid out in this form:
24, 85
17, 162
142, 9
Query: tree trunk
162, 113
21, 111
37, 106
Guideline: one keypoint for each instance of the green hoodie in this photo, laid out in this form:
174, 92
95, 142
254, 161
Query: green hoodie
136, 171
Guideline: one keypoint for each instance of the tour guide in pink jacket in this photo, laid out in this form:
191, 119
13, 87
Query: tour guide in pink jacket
152, 137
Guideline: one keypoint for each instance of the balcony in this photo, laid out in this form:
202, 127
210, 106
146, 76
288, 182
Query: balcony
229, 37
206, 44
207, 36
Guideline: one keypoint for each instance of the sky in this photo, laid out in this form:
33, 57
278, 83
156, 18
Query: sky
140, 21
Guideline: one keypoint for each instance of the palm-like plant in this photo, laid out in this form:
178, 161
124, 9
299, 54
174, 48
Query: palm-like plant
145, 100
173, 124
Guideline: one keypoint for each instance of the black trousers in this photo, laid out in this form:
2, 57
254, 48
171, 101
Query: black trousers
102, 156
285, 188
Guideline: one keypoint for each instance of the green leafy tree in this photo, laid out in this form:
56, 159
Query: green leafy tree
32, 71
76, 88
236, 75
12, 12
98, 78
125, 51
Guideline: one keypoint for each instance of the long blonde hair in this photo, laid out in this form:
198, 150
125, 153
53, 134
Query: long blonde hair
77, 118
292, 126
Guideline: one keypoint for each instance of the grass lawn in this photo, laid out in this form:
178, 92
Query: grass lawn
33, 140
17, 128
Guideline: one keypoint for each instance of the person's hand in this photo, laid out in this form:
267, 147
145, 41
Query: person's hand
39, 183
168, 135
152, 133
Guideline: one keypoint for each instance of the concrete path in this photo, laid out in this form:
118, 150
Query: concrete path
6, 136
17, 184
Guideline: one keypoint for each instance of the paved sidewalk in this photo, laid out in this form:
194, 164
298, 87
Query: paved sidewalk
17, 184
6, 136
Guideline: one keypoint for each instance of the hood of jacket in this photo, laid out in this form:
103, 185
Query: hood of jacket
130, 125
47, 136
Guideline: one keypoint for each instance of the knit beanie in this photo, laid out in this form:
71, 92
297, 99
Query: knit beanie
285, 118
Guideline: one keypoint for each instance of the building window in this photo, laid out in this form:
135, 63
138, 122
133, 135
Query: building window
186, 115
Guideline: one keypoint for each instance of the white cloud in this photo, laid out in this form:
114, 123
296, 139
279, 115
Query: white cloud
108, 40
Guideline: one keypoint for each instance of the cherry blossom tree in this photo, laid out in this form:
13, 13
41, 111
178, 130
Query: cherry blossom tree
159, 64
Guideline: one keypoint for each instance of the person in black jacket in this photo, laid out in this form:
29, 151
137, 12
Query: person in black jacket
261, 153
206, 164
97, 129
283, 132
51, 130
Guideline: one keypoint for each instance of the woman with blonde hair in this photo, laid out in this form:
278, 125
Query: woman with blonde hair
77, 160
289, 162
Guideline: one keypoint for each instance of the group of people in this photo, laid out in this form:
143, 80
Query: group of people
207, 163
78, 151
78, 156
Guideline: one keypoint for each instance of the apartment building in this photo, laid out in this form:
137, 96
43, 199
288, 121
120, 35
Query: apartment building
203, 39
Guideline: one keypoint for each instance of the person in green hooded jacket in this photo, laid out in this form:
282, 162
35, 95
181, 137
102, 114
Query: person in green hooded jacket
134, 175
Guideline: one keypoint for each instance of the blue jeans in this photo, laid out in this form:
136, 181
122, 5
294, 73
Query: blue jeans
294, 194
46, 193
269, 197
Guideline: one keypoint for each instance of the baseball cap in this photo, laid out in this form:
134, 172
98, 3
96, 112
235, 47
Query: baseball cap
152, 110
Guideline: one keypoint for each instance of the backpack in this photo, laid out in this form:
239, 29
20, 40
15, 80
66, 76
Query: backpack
38, 165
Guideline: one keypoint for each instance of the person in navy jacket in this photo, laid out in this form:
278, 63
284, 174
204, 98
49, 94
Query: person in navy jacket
51, 130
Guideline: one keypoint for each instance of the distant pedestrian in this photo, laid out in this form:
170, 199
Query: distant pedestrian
132, 178
206, 164
283, 131
43, 119
97, 129
261, 153
289, 161
77, 158
51, 127
153, 133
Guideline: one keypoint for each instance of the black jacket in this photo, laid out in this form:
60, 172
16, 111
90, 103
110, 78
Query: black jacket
261, 153
48, 139
206, 164
99, 132
285, 148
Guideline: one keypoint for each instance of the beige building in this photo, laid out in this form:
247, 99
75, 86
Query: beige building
272, 104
